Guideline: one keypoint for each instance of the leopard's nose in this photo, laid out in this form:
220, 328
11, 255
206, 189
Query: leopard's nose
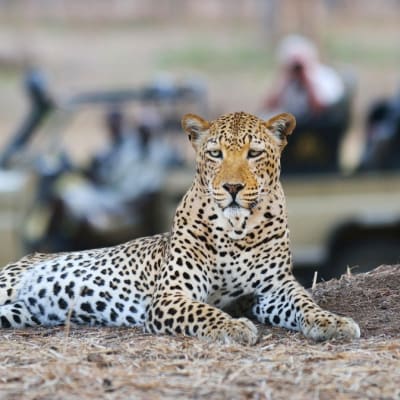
233, 188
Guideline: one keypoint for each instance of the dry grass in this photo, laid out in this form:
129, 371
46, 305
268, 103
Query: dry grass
109, 363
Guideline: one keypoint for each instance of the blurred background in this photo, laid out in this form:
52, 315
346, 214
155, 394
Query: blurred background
91, 91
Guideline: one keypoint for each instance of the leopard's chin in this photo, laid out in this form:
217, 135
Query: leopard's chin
237, 217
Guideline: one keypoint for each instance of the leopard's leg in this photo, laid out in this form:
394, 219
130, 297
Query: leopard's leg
174, 312
10, 278
16, 315
287, 304
12, 274
13, 311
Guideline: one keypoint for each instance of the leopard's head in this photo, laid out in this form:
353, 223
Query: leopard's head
238, 158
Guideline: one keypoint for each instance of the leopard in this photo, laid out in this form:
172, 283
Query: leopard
229, 239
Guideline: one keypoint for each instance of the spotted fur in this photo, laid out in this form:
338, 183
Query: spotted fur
229, 238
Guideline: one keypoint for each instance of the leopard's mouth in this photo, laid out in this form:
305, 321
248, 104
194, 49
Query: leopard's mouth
235, 205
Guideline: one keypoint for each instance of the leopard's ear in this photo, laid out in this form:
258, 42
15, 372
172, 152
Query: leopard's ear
196, 128
280, 127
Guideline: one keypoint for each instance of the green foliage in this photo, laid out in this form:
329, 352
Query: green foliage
216, 59
365, 51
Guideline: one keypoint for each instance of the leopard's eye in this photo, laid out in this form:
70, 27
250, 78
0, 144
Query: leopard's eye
254, 153
215, 153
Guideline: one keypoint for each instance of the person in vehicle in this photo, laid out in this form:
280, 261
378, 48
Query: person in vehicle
382, 141
317, 95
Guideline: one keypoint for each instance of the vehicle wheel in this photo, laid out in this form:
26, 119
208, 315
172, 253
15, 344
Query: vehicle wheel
361, 256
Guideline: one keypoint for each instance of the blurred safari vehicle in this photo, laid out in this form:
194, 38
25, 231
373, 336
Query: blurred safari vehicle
87, 171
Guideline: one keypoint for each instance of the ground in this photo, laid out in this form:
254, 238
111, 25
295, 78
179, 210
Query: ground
110, 363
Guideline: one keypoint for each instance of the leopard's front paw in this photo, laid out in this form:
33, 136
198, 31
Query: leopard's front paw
329, 326
241, 331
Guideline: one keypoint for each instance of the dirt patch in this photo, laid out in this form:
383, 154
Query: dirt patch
110, 363
372, 299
